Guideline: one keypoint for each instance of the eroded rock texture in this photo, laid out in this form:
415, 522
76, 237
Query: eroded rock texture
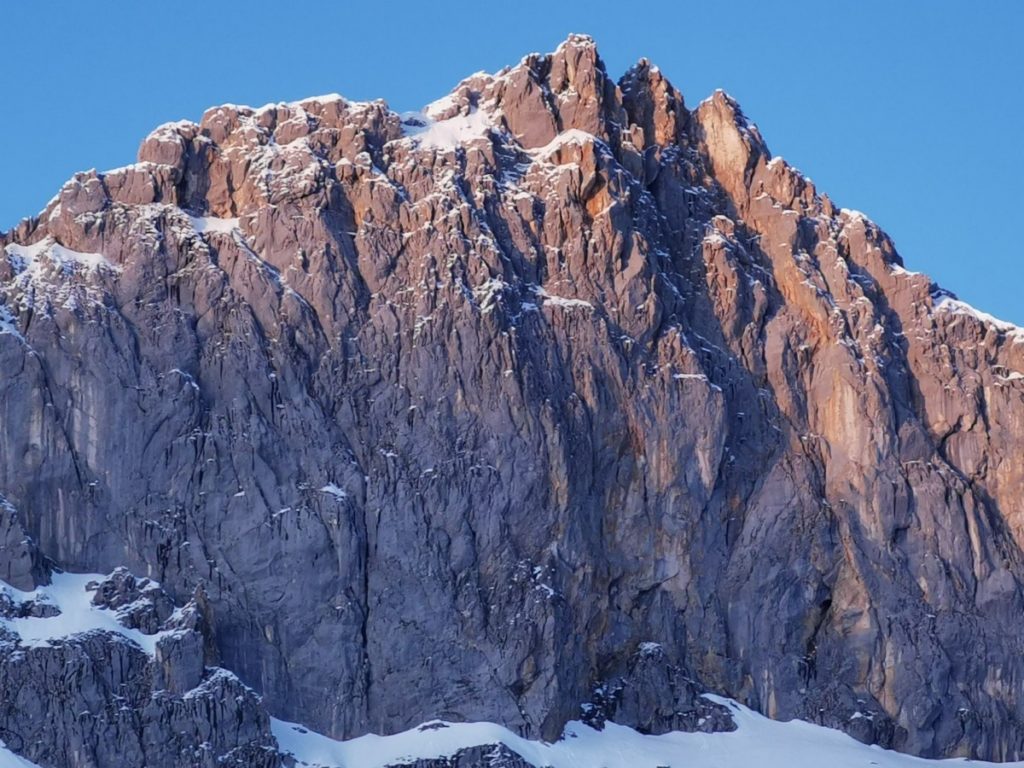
103, 698
447, 418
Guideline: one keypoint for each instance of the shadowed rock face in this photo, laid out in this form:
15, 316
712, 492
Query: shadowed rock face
97, 699
448, 418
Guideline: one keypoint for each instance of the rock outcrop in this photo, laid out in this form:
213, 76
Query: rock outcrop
474, 404
21, 564
494, 756
120, 679
655, 697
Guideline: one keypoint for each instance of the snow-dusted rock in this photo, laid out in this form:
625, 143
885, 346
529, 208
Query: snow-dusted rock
103, 671
446, 416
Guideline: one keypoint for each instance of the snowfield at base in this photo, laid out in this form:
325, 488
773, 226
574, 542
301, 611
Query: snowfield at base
78, 615
10, 760
756, 743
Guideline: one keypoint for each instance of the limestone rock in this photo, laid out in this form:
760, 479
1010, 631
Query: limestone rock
492, 756
655, 696
97, 698
21, 564
472, 403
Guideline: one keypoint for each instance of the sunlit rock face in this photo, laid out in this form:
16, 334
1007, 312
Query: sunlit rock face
451, 415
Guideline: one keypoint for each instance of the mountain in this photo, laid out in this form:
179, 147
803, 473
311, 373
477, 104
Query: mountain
558, 402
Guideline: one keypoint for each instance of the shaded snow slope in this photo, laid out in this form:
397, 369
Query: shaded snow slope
757, 742
10, 760
446, 134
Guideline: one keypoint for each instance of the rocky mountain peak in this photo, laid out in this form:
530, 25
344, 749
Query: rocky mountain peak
732, 144
555, 399
654, 106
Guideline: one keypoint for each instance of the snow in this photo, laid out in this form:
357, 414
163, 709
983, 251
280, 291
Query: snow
944, 302
570, 136
334, 491
438, 107
7, 324
576, 40
29, 257
143, 165
896, 269
189, 379
326, 98
78, 615
757, 741
203, 224
561, 301
46, 268
716, 238
170, 129
10, 760
487, 294
428, 133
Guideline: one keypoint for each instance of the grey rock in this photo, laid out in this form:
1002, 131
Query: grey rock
487, 756
139, 603
90, 701
98, 699
179, 661
475, 420
21, 564
655, 696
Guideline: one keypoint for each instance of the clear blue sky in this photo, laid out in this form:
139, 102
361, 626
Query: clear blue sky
909, 111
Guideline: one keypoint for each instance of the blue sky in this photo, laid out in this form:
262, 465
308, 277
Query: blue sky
908, 111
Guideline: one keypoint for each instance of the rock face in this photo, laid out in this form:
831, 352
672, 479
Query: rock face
495, 756
21, 564
80, 695
447, 416
655, 697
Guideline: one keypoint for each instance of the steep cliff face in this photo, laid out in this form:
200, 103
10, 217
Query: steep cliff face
448, 414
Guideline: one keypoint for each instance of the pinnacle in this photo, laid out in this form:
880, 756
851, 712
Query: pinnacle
578, 40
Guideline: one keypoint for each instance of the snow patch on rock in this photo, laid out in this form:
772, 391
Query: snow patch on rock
561, 301
7, 323
333, 490
60, 275
203, 224
71, 595
33, 258
448, 134
946, 302
570, 136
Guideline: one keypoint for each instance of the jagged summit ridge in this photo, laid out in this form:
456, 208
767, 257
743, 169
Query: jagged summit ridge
582, 368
